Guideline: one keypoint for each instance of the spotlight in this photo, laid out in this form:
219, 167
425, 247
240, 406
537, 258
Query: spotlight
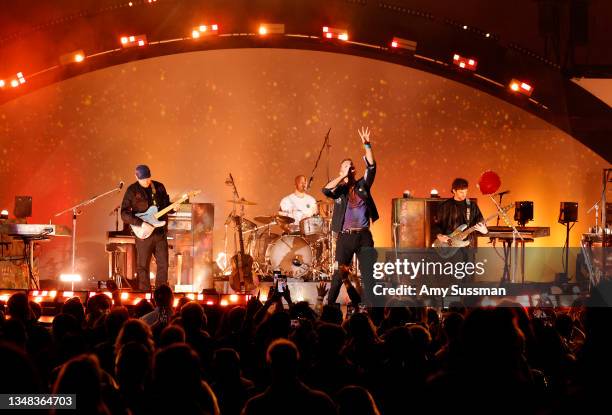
71, 278
271, 28
520, 87
465, 63
434, 194
399, 43
20, 78
72, 57
332, 32
204, 30
4, 214
14, 83
133, 41
2, 83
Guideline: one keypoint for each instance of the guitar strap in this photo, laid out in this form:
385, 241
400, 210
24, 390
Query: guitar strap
153, 193
467, 212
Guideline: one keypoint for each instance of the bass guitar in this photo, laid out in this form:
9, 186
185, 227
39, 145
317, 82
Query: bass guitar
457, 237
151, 216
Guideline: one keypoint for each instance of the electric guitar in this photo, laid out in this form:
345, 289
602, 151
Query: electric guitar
457, 237
151, 216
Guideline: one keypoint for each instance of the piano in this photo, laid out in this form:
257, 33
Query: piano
504, 233
33, 230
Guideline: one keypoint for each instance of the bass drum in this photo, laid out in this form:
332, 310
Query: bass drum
291, 255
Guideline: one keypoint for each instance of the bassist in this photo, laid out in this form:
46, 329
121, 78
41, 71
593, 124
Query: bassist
138, 197
457, 211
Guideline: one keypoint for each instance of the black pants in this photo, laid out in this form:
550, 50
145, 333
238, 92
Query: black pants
156, 244
347, 245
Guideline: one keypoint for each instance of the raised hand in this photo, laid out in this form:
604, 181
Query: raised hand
322, 289
364, 134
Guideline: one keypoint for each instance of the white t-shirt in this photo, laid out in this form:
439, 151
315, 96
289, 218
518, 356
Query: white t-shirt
299, 207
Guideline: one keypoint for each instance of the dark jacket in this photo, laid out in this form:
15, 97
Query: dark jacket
362, 189
135, 200
452, 214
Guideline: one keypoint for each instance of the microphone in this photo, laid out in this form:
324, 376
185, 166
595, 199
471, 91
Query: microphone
505, 192
121, 185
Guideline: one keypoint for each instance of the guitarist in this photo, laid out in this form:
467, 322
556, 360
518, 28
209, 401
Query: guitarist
138, 197
457, 211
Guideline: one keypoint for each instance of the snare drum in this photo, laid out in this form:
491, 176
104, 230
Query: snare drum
313, 227
291, 255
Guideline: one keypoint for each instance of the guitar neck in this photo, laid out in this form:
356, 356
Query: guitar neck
169, 208
473, 228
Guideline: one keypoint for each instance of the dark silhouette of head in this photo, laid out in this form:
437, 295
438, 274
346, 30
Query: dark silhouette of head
135, 330
163, 296
82, 376
18, 307
283, 357
193, 317
171, 335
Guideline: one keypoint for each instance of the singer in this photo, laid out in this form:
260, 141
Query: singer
297, 205
354, 209
138, 197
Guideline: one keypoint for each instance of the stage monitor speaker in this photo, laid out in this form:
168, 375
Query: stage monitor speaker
23, 207
568, 212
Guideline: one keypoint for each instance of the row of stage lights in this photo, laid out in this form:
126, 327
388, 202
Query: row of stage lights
128, 298
266, 29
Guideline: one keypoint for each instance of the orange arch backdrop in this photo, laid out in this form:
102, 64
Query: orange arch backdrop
262, 115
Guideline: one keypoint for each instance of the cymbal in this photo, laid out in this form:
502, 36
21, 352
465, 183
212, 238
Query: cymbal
242, 201
264, 219
274, 219
286, 220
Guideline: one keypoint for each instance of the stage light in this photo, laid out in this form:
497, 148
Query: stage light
406, 44
521, 87
434, 193
271, 29
200, 297
233, 298
68, 294
2, 83
14, 83
488, 35
223, 303
124, 296
332, 32
465, 63
20, 78
70, 277
210, 302
53, 294
191, 296
133, 41
72, 57
204, 30
175, 303
4, 214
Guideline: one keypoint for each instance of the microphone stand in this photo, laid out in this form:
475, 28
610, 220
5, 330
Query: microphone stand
75, 211
515, 233
319, 158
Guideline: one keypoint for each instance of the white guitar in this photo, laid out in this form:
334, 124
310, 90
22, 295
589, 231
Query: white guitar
151, 216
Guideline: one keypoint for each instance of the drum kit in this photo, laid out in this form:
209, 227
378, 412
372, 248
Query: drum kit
299, 250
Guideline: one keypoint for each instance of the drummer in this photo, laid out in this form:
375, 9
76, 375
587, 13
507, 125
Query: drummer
298, 205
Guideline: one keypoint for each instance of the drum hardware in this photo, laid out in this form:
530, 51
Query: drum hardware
277, 219
242, 201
